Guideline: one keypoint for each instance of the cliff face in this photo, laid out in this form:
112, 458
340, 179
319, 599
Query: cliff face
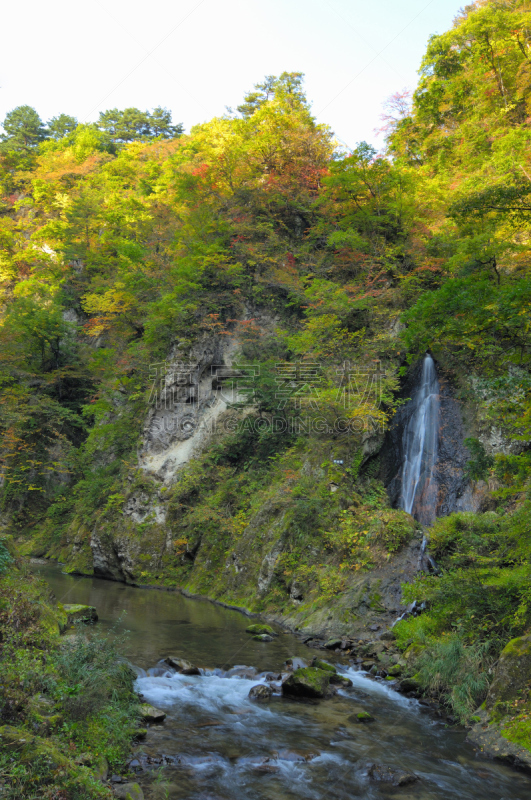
455, 491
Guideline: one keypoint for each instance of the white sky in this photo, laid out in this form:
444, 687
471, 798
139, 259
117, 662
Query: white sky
197, 56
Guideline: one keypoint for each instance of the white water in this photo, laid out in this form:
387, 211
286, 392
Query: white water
418, 494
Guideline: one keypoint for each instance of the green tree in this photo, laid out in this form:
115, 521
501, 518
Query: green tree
61, 126
23, 128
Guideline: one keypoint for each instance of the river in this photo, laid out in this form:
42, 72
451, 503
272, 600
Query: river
216, 744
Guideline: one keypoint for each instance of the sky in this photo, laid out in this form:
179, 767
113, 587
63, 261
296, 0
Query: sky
195, 57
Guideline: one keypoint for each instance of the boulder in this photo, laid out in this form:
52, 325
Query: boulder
181, 665
263, 637
513, 672
151, 714
393, 775
306, 682
259, 629
75, 612
129, 791
260, 693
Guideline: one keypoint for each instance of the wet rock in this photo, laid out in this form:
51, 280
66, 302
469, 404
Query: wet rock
396, 777
259, 629
260, 693
306, 682
151, 714
368, 664
317, 662
337, 679
263, 637
333, 644
129, 791
270, 676
388, 636
181, 665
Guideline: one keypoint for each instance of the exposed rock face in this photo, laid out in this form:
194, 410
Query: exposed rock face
189, 393
454, 491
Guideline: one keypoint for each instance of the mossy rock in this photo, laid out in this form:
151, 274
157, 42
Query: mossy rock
513, 672
129, 791
76, 612
307, 682
258, 629
364, 716
316, 662
263, 637
395, 670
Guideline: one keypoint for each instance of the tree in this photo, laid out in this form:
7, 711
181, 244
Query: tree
288, 86
161, 125
132, 124
23, 128
61, 126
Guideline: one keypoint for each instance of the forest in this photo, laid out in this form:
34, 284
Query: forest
255, 242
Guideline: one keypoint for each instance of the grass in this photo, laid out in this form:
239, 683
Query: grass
67, 705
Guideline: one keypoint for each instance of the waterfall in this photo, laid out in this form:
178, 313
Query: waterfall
418, 494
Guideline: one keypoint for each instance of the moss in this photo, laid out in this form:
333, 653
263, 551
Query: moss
307, 682
323, 665
259, 628
518, 731
520, 646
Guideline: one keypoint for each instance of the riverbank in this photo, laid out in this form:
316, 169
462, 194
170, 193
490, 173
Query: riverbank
68, 710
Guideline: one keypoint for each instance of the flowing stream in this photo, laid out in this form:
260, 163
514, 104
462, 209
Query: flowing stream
418, 495
216, 744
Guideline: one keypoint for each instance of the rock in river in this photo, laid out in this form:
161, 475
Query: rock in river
260, 693
259, 629
307, 682
151, 714
263, 637
182, 665
392, 775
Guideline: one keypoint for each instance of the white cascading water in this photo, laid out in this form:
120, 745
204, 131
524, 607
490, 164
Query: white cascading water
418, 494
